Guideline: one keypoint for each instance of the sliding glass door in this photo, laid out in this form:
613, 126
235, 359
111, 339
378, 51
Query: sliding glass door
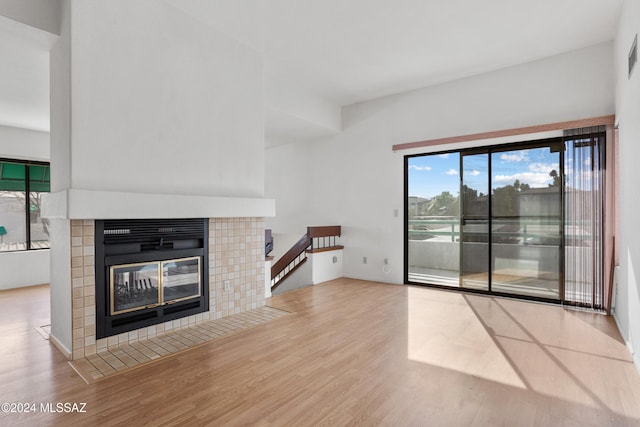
433, 219
498, 228
474, 220
526, 221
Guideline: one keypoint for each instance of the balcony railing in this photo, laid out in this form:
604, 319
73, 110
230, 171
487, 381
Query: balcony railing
523, 230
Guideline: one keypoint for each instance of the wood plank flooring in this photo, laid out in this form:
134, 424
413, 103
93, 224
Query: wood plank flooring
351, 353
120, 357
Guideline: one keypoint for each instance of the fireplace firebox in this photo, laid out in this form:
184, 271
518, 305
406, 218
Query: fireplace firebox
149, 272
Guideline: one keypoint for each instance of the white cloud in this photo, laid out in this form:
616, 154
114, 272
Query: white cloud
444, 156
544, 167
473, 172
534, 179
451, 172
520, 156
420, 168
587, 161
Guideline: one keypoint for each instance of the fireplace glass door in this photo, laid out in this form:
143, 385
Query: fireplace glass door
180, 279
134, 286
155, 283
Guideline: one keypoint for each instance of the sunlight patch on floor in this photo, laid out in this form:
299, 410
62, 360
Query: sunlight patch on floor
464, 346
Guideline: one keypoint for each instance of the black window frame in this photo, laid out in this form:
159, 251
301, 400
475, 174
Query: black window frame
489, 149
27, 211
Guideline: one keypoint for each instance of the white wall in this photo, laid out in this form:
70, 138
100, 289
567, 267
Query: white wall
21, 269
296, 113
283, 242
24, 268
60, 229
25, 144
162, 103
326, 266
355, 180
42, 14
627, 304
60, 110
60, 290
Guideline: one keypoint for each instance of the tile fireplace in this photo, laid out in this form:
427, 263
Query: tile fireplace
232, 271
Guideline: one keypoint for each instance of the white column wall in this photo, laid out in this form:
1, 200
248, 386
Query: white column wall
61, 295
146, 99
162, 103
60, 112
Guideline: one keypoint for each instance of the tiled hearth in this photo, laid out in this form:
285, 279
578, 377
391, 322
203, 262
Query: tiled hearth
236, 254
122, 357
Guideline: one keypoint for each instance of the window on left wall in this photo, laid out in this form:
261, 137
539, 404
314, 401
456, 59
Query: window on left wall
22, 185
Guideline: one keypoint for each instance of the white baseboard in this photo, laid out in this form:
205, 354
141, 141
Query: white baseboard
60, 347
634, 356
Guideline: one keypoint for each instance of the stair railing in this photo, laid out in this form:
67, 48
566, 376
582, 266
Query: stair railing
317, 239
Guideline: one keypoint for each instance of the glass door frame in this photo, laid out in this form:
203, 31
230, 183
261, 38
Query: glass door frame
528, 145
463, 154
489, 150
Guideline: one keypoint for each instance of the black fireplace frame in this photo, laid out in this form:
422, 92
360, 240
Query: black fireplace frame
145, 240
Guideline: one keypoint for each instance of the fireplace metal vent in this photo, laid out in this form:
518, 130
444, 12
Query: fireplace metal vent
137, 230
122, 231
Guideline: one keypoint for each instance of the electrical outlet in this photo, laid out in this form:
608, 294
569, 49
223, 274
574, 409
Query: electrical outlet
226, 286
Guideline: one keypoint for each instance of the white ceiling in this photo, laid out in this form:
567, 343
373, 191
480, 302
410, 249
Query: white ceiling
355, 50
347, 51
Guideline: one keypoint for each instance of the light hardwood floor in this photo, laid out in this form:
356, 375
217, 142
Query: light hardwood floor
353, 352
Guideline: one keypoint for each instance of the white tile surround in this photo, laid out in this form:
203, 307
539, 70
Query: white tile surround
236, 254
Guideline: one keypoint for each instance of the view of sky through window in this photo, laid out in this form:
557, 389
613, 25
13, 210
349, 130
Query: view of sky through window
431, 175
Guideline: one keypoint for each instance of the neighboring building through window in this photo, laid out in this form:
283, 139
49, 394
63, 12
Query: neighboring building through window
22, 185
